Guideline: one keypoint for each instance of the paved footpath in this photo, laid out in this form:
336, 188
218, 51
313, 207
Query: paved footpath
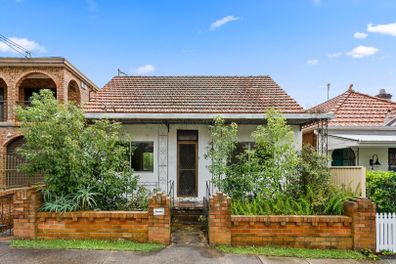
172, 255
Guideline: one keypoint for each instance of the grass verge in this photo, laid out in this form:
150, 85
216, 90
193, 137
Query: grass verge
294, 252
121, 245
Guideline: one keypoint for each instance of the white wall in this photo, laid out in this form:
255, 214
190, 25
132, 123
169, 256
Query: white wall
365, 154
152, 132
145, 133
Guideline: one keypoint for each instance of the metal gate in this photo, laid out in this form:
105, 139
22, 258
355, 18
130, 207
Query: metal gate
6, 215
13, 177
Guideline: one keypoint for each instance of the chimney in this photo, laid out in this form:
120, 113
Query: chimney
383, 95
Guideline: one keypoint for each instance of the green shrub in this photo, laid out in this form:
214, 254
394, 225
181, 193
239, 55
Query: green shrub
83, 164
284, 204
272, 177
381, 189
223, 139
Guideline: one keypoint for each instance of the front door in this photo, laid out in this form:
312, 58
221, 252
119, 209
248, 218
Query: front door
187, 169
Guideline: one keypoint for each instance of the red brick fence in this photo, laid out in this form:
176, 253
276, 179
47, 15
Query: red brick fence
355, 230
141, 226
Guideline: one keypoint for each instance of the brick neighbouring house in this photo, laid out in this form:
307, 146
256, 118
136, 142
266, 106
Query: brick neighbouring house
169, 117
19, 78
362, 132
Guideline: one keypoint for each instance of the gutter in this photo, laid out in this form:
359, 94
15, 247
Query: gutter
362, 128
200, 116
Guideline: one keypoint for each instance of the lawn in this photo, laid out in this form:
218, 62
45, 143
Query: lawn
86, 244
294, 252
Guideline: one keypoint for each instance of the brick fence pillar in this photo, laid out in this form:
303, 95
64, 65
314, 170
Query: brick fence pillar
219, 222
362, 211
159, 219
26, 202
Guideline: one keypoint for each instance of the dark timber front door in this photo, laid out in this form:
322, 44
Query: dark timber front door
187, 148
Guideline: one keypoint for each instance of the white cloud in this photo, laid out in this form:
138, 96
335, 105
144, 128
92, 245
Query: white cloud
334, 55
144, 69
360, 35
222, 21
362, 51
27, 44
317, 2
313, 62
385, 29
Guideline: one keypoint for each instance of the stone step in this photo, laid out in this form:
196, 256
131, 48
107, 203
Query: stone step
188, 215
181, 213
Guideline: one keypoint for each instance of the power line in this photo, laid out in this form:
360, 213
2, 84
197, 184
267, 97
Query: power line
16, 47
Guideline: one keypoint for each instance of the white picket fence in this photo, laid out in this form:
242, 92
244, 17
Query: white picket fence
386, 231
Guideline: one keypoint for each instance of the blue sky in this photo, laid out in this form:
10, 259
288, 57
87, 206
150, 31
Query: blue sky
302, 44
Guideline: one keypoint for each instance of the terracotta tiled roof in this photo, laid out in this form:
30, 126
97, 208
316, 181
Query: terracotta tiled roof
192, 94
356, 109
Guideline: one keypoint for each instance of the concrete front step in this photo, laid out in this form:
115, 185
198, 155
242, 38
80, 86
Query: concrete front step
187, 215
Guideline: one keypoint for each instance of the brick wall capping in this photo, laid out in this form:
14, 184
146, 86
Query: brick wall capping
292, 219
7, 192
124, 215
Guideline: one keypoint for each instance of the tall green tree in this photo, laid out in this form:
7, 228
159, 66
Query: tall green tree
72, 155
272, 163
223, 139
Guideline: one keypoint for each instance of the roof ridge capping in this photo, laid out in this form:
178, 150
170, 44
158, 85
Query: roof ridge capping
192, 76
340, 99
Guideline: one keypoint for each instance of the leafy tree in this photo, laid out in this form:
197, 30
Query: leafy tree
223, 139
82, 163
275, 156
265, 170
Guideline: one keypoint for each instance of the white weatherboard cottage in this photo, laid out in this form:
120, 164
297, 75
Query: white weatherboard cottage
168, 119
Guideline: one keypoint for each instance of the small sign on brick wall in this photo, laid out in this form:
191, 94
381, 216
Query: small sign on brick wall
159, 211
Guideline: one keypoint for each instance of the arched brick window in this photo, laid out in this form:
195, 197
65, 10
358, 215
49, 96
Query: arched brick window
73, 92
33, 83
3, 100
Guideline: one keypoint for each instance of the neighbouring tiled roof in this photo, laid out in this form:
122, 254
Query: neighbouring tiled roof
356, 109
191, 94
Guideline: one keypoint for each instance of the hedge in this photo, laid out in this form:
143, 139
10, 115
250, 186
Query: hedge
381, 189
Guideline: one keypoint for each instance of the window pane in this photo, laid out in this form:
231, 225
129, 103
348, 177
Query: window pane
240, 148
142, 156
187, 135
148, 161
392, 159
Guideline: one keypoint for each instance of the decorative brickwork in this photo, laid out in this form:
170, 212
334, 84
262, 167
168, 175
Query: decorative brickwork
292, 231
140, 226
362, 211
26, 203
219, 222
93, 225
159, 230
356, 230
